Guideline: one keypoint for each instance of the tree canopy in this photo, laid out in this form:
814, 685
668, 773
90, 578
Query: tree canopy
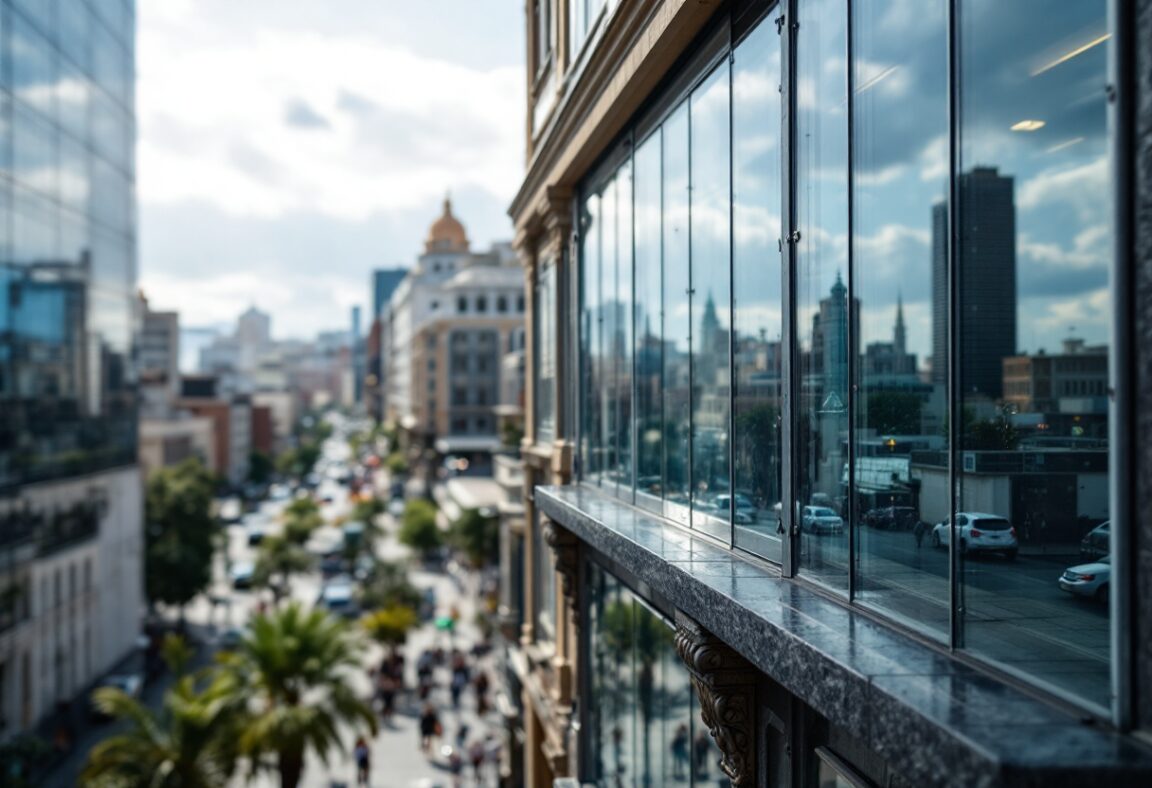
179, 533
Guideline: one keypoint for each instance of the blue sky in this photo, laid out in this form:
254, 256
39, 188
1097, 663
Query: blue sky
287, 148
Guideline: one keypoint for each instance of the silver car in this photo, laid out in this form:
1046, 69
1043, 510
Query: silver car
1088, 580
821, 520
979, 533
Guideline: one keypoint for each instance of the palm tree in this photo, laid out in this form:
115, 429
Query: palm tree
185, 746
289, 680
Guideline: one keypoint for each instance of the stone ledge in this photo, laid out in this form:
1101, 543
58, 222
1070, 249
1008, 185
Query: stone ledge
934, 719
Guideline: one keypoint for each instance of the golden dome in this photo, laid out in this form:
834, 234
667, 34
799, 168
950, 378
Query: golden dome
446, 233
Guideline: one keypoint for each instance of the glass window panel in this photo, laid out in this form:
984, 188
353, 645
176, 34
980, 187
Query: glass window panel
75, 32
677, 319
73, 101
757, 319
821, 295
622, 329
32, 64
609, 338
35, 232
900, 162
711, 304
545, 394
1034, 227
592, 315
34, 161
648, 324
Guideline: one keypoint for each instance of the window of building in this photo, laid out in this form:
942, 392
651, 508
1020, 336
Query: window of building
461, 304
501, 304
544, 324
582, 17
520, 303
903, 332
481, 304
542, 34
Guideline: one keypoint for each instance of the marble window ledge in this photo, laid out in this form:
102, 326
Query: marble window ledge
932, 717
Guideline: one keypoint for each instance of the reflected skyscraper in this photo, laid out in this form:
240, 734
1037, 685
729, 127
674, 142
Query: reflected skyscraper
987, 286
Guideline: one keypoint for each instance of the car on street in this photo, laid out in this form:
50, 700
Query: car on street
256, 534
338, 596
1097, 542
131, 684
893, 518
241, 575
821, 520
1088, 580
979, 533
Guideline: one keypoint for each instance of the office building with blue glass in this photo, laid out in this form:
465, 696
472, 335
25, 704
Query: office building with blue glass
837, 448
71, 594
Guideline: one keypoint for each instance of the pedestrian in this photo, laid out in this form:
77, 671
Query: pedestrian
387, 693
461, 735
918, 532
493, 748
363, 763
680, 753
700, 748
456, 688
429, 727
455, 765
476, 755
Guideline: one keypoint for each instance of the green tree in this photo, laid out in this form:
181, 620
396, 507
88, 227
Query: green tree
179, 533
894, 412
418, 528
301, 518
396, 463
278, 559
477, 535
290, 684
390, 626
186, 745
387, 585
259, 468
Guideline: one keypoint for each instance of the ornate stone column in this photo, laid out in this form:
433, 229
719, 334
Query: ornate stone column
565, 555
726, 687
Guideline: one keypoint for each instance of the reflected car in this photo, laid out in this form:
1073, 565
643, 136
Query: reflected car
1097, 542
892, 517
743, 504
1088, 580
979, 533
821, 520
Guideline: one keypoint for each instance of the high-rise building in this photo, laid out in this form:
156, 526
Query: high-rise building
384, 283
71, 590
986, 281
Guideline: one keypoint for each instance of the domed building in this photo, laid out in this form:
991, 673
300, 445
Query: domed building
443, 335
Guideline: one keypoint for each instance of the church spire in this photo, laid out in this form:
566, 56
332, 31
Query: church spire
899, 334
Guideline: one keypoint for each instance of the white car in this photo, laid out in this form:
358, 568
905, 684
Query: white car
821, 520
745, 509
979, 533
1089, 580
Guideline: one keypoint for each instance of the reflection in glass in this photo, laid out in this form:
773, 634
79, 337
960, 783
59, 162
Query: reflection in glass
757, 320
711, 301
622, 329
821, 295
609, 339
591, 444
900, 167
677, 319
545, 351
1034, 208
648, 323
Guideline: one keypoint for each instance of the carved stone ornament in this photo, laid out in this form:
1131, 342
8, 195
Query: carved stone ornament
564, 546
726, 686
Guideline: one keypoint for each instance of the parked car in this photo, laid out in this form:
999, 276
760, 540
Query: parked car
396, 507
821, 520
1097, 542
1088, 580
131, 684
979, 533
255, 535
241, 575
901, 518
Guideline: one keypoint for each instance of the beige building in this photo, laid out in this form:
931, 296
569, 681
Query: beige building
444, 333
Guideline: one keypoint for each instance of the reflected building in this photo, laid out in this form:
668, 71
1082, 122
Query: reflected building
891, 361
987, 281
71, 586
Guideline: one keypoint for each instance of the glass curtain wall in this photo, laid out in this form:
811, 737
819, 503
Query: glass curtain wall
1034, 219
951, 321
821, 300
757, 318
899, 182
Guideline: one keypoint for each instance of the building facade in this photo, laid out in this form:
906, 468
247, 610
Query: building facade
71, 589
444, 335
724, 203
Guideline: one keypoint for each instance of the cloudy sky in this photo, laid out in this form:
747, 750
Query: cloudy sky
287, 148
